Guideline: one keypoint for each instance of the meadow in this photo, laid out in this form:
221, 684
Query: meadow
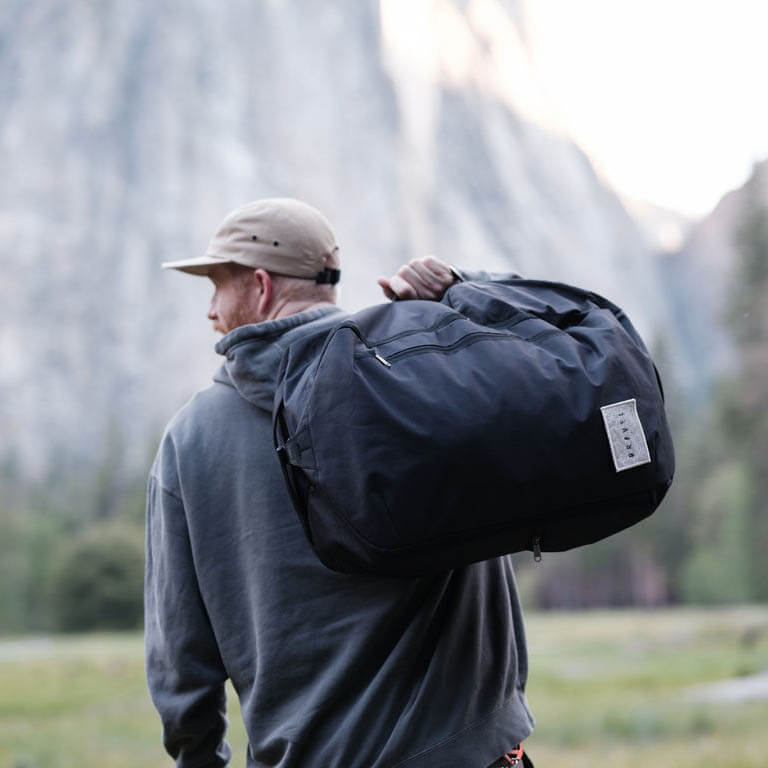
615, 689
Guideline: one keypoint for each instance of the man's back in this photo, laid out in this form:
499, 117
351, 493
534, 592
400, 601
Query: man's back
332, 670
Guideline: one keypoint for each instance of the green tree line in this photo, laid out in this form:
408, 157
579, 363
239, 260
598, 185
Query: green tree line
67, 561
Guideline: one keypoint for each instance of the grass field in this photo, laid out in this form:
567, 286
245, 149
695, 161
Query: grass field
609, 689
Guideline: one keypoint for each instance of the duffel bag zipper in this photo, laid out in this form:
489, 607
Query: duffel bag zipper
443, 321
470, 338
505, 324
352, 327
446, 349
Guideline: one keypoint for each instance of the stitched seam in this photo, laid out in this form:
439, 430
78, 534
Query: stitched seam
458, 734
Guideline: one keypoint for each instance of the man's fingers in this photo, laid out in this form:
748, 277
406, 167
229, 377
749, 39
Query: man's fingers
396, 287
422, 284
404, 288
440, 269
424, 278
432, 275
386, 287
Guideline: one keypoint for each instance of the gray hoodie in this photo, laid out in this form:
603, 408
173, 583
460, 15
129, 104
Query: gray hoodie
332, 670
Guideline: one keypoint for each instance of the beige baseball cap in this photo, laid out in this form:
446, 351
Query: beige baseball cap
280, 234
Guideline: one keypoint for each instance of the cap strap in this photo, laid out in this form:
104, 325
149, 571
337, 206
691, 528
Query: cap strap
329, 276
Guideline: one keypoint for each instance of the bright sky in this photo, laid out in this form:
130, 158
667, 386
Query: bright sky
668, 97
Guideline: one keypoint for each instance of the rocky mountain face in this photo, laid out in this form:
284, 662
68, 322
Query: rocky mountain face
701, 281
129, 130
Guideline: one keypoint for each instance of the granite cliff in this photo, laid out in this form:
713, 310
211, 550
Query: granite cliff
129, 130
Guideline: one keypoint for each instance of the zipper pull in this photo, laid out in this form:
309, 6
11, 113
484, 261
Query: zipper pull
537, 549
376, 354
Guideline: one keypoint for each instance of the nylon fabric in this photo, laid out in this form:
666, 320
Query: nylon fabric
444, 433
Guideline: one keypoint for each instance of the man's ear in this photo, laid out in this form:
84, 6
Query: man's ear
263, 280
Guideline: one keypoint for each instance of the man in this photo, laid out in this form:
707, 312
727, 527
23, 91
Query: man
332, 670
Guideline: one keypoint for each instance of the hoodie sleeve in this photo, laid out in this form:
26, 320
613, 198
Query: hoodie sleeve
185, 673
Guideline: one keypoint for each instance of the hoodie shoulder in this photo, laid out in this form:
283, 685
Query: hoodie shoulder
204, 407
201, 423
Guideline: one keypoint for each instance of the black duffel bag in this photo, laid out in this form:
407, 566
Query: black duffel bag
421, 436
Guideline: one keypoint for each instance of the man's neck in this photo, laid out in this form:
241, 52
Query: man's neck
285, 308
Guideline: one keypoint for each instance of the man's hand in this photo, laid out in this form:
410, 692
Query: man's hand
424, 278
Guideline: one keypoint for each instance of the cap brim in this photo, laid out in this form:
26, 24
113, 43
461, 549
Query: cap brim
198, 266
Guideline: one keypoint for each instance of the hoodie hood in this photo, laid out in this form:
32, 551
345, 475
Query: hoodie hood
253, 351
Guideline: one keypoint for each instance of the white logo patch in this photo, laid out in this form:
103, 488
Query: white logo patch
625, 435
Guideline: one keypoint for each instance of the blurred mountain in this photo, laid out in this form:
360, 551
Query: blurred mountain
129, 130
701, 280
665, 230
